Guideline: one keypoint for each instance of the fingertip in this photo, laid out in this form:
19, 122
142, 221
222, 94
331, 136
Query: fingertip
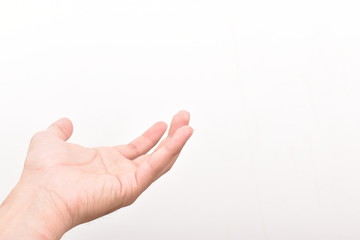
183, 134
68, 123
161, 124
191, 130
184, 114
62, 128
188, 131
180, 119
159, 127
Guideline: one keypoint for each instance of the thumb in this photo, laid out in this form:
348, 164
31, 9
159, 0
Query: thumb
62, 128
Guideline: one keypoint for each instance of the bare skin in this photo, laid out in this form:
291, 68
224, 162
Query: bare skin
64, 184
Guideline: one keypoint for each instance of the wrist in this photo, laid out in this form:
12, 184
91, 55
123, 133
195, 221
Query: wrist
30, 213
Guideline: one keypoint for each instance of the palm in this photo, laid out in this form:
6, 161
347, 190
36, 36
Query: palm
91, 182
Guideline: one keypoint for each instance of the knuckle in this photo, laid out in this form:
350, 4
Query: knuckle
134, 148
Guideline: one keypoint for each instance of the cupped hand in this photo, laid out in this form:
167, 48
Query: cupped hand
82, 183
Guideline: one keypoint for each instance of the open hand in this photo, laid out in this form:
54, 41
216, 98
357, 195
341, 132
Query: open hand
79, 184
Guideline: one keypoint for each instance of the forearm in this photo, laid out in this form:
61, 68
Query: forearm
27, 214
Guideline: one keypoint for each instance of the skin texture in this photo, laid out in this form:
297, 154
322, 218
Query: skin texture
64, 184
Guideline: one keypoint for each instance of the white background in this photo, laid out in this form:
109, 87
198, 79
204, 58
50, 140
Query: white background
273, 89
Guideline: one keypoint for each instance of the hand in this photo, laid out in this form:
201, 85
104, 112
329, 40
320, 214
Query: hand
68, 184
